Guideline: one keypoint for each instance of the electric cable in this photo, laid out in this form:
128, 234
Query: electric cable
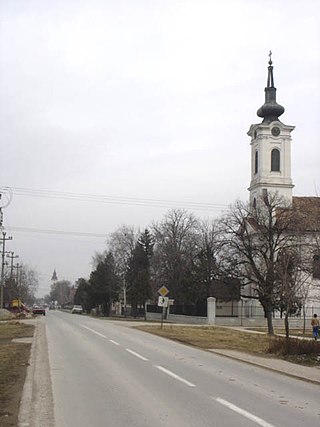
99, 198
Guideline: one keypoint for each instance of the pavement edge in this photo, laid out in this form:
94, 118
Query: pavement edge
36, 406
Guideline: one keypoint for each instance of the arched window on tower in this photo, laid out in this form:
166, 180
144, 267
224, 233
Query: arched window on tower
256, 162
275, 160
254, 204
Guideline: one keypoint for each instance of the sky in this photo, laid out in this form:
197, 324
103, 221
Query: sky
112, 112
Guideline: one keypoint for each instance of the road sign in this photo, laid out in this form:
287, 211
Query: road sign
163, 291
163, 301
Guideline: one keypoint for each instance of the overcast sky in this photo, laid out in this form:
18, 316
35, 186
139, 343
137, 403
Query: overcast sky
144, 103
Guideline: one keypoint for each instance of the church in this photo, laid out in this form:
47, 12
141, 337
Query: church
271, 173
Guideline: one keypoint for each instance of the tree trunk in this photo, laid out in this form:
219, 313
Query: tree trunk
304, 319
134, 310
286, 323
269, 321
268, 311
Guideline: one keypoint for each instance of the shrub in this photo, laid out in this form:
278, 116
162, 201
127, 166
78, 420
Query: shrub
293, 346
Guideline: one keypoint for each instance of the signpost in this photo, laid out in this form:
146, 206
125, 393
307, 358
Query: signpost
163, 301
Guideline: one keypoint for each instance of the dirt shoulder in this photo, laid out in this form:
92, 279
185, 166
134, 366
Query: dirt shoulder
14, 360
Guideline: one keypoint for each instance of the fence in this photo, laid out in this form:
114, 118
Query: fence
232, 313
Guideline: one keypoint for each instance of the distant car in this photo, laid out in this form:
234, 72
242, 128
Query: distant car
77, 309
39, 309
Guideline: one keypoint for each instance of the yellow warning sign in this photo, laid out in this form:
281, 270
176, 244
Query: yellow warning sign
163, 291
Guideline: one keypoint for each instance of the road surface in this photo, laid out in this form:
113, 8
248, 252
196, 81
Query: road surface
106, 374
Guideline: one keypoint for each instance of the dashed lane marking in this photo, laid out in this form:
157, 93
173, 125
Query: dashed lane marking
136, 354
173, 375
93, 331
244, 413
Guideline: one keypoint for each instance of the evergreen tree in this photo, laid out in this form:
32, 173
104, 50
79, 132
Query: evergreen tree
82, 294
138, 273
104, 285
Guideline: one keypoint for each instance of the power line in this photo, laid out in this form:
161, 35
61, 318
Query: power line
100, 198
60, 232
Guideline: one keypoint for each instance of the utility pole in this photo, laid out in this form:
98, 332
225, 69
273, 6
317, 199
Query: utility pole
3, 239
18, 279
12, 256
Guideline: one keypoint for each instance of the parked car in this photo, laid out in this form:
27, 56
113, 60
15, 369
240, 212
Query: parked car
77, 309
39, 309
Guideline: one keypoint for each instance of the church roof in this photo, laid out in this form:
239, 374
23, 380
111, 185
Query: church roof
306, 211
303, 216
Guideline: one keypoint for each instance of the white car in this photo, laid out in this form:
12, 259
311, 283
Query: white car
77, 309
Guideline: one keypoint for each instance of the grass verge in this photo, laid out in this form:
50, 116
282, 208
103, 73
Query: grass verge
13, 366
210, 337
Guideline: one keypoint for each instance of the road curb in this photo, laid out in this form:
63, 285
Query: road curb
23, 417
36, 406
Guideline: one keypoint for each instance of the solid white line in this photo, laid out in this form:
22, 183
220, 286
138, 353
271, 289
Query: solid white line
244, 413
95, 332
136, 354
173, 375
114, 342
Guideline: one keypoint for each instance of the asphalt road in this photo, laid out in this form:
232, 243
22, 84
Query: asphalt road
106, 374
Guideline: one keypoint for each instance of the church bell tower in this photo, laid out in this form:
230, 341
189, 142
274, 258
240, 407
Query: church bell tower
270, 149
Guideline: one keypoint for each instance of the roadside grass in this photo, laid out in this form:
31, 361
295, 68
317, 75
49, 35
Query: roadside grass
13, 366
210, 337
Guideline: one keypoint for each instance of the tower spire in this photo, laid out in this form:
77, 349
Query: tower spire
54, 277
270, 110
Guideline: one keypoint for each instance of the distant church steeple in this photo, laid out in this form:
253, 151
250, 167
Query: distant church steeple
54, 277
270, 148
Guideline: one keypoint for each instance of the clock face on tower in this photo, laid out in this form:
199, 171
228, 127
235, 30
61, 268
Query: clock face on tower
275, 131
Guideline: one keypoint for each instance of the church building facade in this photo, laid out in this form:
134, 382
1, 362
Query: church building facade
271, 174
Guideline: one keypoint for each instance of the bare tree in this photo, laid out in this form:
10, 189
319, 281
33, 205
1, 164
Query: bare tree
294, 270
121, 244
175, 248
251, 240
60, 291
206, 261
22, 285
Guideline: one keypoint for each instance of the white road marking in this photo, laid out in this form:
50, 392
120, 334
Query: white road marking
244, 413
136, 354
114, 342
173, 375
95, 332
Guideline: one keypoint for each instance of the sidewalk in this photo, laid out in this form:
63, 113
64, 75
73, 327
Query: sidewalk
304, 373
